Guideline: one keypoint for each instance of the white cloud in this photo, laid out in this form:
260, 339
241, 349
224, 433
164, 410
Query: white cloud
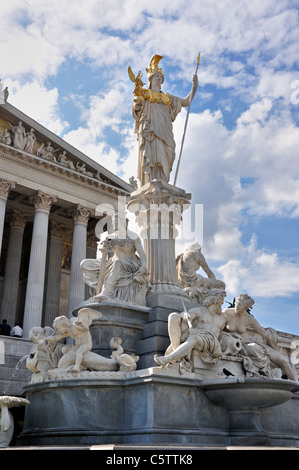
214, 162
248, 49
260, 273
38, 102
82, 139
258, 111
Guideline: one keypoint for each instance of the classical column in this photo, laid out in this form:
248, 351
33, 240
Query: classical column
77, 287
12, 268
53, 274
37, 264
158, 207
91, 253
5, 187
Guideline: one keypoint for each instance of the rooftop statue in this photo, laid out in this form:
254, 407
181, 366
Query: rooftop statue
154, 112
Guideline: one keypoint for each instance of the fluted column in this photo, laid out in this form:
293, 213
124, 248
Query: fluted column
12, 268
37, 264
53, 274
5, 187
77, 287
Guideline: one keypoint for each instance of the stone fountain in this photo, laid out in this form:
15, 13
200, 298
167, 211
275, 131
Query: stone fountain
6, 418
152, 357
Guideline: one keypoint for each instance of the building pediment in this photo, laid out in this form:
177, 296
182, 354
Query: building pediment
23, 139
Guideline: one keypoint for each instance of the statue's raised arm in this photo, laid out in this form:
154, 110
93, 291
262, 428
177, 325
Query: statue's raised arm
154, 112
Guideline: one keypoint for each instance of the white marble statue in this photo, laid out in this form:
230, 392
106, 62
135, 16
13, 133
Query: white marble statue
6, 418
5, 137
127, 362
30, 141
260, 350
48, 353
19, 136
122, 277
64, 161
196, 285
81, 167
3, 92
48, 152
41, 150
78, 356
228, 334
154, 112
198, 329
43, 356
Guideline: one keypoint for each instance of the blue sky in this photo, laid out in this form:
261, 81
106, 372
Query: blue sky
65, 63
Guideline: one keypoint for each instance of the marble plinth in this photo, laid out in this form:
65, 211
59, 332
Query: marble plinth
149, 406
158, 207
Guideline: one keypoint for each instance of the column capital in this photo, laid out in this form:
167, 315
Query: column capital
92, 241
42, 201
81, 214
5, 187
57, 230
17, 220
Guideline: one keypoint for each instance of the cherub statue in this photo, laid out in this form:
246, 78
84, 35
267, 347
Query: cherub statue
79, 356
43, 355
78, 329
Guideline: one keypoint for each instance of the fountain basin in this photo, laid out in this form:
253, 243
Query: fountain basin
241, 392
6, 419
244, 399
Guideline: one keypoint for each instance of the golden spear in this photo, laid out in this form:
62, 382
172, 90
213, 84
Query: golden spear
186, 122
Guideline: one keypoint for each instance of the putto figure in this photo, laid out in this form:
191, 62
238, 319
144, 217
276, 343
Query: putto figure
154, 112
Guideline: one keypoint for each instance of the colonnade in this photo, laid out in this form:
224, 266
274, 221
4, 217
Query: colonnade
43, 282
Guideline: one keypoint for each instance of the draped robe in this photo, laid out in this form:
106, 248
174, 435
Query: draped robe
155, 137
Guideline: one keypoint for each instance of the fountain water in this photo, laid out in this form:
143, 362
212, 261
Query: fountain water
13, 374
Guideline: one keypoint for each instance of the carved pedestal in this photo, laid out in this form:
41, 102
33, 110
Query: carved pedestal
158, 207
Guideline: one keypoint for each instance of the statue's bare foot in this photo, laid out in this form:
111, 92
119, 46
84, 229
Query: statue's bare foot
161, 360
73, 369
